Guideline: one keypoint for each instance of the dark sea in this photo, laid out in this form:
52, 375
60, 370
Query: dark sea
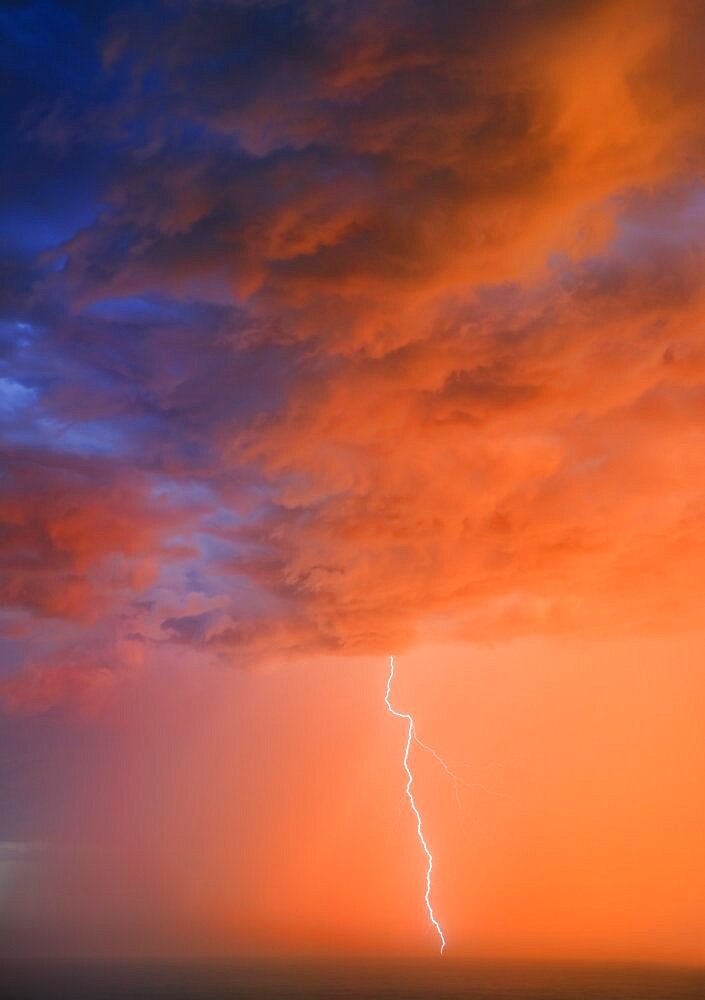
440, 979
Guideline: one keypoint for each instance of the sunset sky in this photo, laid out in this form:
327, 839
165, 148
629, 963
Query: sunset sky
331, 329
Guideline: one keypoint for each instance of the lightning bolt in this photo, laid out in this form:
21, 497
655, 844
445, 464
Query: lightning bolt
411, 735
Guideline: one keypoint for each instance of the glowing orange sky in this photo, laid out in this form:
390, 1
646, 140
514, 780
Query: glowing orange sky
347, 330
265, 813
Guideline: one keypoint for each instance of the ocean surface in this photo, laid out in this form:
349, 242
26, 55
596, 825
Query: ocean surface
398, 980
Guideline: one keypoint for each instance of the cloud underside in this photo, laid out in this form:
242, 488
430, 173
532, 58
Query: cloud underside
388, 326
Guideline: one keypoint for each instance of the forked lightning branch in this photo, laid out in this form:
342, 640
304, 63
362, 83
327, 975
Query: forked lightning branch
411, 735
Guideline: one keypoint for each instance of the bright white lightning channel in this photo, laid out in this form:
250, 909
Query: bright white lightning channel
411, 735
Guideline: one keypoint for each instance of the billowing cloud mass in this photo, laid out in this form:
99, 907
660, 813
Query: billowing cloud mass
331, 326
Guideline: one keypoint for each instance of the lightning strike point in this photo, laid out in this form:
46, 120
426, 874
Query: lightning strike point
411, 735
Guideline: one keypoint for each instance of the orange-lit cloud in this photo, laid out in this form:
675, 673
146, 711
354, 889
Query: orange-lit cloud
423, 332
